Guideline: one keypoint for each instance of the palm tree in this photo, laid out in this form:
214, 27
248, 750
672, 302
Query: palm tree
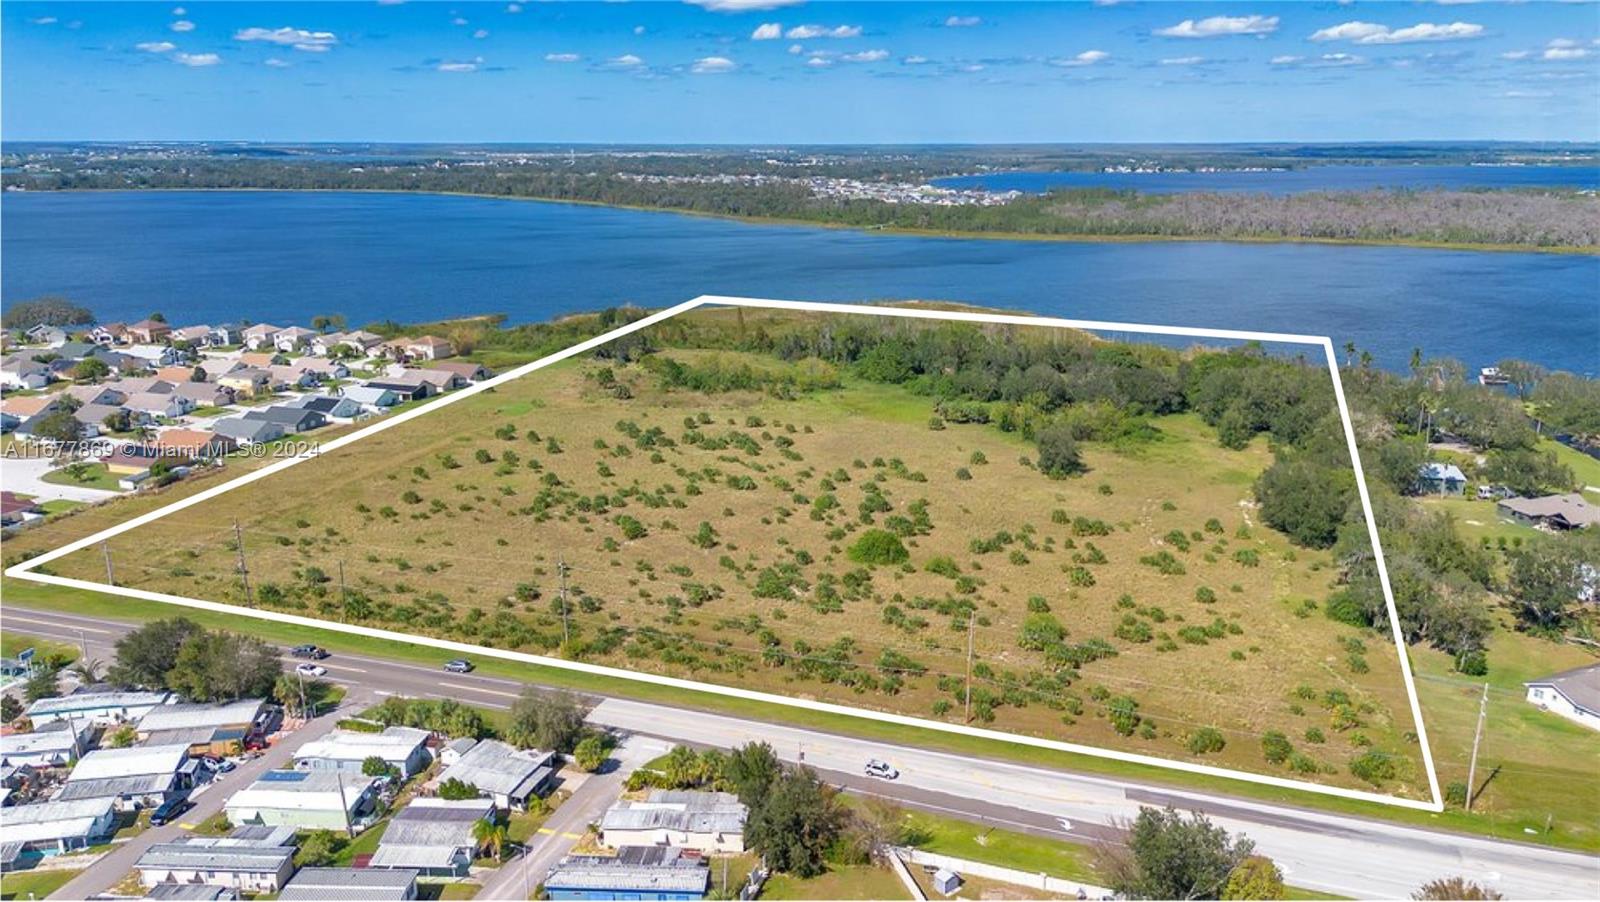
89, 671
1349, 353
490, 836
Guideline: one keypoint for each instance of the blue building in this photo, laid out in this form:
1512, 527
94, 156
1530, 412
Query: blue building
1441, 479
644, 873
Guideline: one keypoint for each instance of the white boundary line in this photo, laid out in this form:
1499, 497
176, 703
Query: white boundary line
26, 570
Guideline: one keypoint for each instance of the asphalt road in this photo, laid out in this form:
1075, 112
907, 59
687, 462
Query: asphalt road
1327, 852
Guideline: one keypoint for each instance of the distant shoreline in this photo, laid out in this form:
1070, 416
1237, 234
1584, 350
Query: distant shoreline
1588, 250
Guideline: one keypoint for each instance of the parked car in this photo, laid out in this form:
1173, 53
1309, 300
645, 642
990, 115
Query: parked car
167, 811
311, 670
883, 770
314, 652
458, 665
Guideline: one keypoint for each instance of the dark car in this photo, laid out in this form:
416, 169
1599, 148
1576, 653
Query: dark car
166, 811
314, 652
459, 665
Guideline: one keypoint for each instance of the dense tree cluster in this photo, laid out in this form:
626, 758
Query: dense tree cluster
48, 310
1170, 856
200, 664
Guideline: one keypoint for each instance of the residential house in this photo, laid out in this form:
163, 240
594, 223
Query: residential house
1441, 479
19, 372
454, 749
504, 773
246, 431
324, 370
292, 377
635, 872
99, 708
51, 745
322, 884
143, 384
307, 800
208, 729
225, 334
442, 379
180, 374
60, 826
373, 399
405, 391
205, 394
76, 350
428, 347
135, 777
93, 417
16, 510
247, 382
330, 406
705, 821
95, 394
30, 406
149, 331
195, 443
133, 460
120, 363
1559, 512
156, 355
170, 404
109, 334
190, 892
325, 343
260, 360
1573, 694
403, 748
46, 334
432, 836
292, 419
472, 372
195, 335
361, 341
248, 865
294, 338
260, 335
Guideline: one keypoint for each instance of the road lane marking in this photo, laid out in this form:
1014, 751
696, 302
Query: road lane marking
480, 689
57, 625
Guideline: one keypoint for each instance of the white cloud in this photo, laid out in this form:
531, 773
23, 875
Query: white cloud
460, 65
866, 56
179, 11
712, 65
1183, 61
740, 6
458, 21
1340, 59
1525, 95
1286, 60
276, 63
1563, 54
1086, 58
299, 38
561, 57
181, 26
1220, 26
513, 8
156, 46
625, 61
1514, 55
43, 20
1371, 33
962, 22
973, 67
767, 31
807, 32
796, 49
481, 33
914, 60
197, 60
638, 29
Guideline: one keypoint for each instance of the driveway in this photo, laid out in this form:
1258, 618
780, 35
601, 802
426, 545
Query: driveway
25, 476
115, 865
566, 826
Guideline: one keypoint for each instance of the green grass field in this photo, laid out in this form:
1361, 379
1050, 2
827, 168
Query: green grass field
455, 527
34, 884
95, 476
852, 882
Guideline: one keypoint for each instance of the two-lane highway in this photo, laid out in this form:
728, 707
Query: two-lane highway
1321, 851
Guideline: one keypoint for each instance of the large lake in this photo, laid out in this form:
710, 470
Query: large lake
1291, 181
286, 257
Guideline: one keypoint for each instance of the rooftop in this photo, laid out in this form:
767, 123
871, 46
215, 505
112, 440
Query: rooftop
96, 701
352, 745
136, 761
689, 812
195, 853
335, 884
46, 821
1570, 507
1581, 686
495, 767
634, 869
188, 716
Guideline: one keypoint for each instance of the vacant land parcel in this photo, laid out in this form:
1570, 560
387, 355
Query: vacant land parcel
1038, 530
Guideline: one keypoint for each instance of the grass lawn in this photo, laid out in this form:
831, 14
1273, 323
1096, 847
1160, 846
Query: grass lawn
209, 411
95, 476
1477, 520
858, 882
34, 884
60, 506
978, 888
1309, 895
12, 642
365, 843
1003, 848
1586, 468
459, 890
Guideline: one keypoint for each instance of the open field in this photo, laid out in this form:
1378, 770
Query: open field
728, 535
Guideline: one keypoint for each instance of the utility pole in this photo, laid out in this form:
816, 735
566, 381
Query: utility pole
83, 642
972, 627
344, 808
305, 713
105, 548
1472, 769
566, 631
342, 597
244, 572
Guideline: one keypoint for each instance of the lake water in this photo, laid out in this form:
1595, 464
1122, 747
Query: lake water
286, 257
1313, 178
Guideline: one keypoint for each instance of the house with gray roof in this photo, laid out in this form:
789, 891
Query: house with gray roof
1573, 694
707, 821
248, 431
307, 800
51, 745
292, 419
635, 872
403, 748
60, 826
191, 892
331, 406
326, 884
102, 708
433, 836
374, 399
1559, 512
249, 865
142, 775
509, 775
1441, 479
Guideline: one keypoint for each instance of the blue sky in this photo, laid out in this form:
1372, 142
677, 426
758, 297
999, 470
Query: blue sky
753, 71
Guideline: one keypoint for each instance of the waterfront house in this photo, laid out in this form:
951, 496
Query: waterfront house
472, 372
370, 885
361, 341
1556, 512
635, 872
108, 334
195, 335
225, 334
99, 708
306, 800
293, 338
140, 776
149, 332
1441, 479
46, 334
433, 836
403, 748
1573, 694
324, 344
260, 335
705, 821
508, 775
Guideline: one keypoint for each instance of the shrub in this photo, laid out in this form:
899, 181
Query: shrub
1058, 452
1373, 766
1124, 714
1040, 631
877, 546
1275, 747
1206, 740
